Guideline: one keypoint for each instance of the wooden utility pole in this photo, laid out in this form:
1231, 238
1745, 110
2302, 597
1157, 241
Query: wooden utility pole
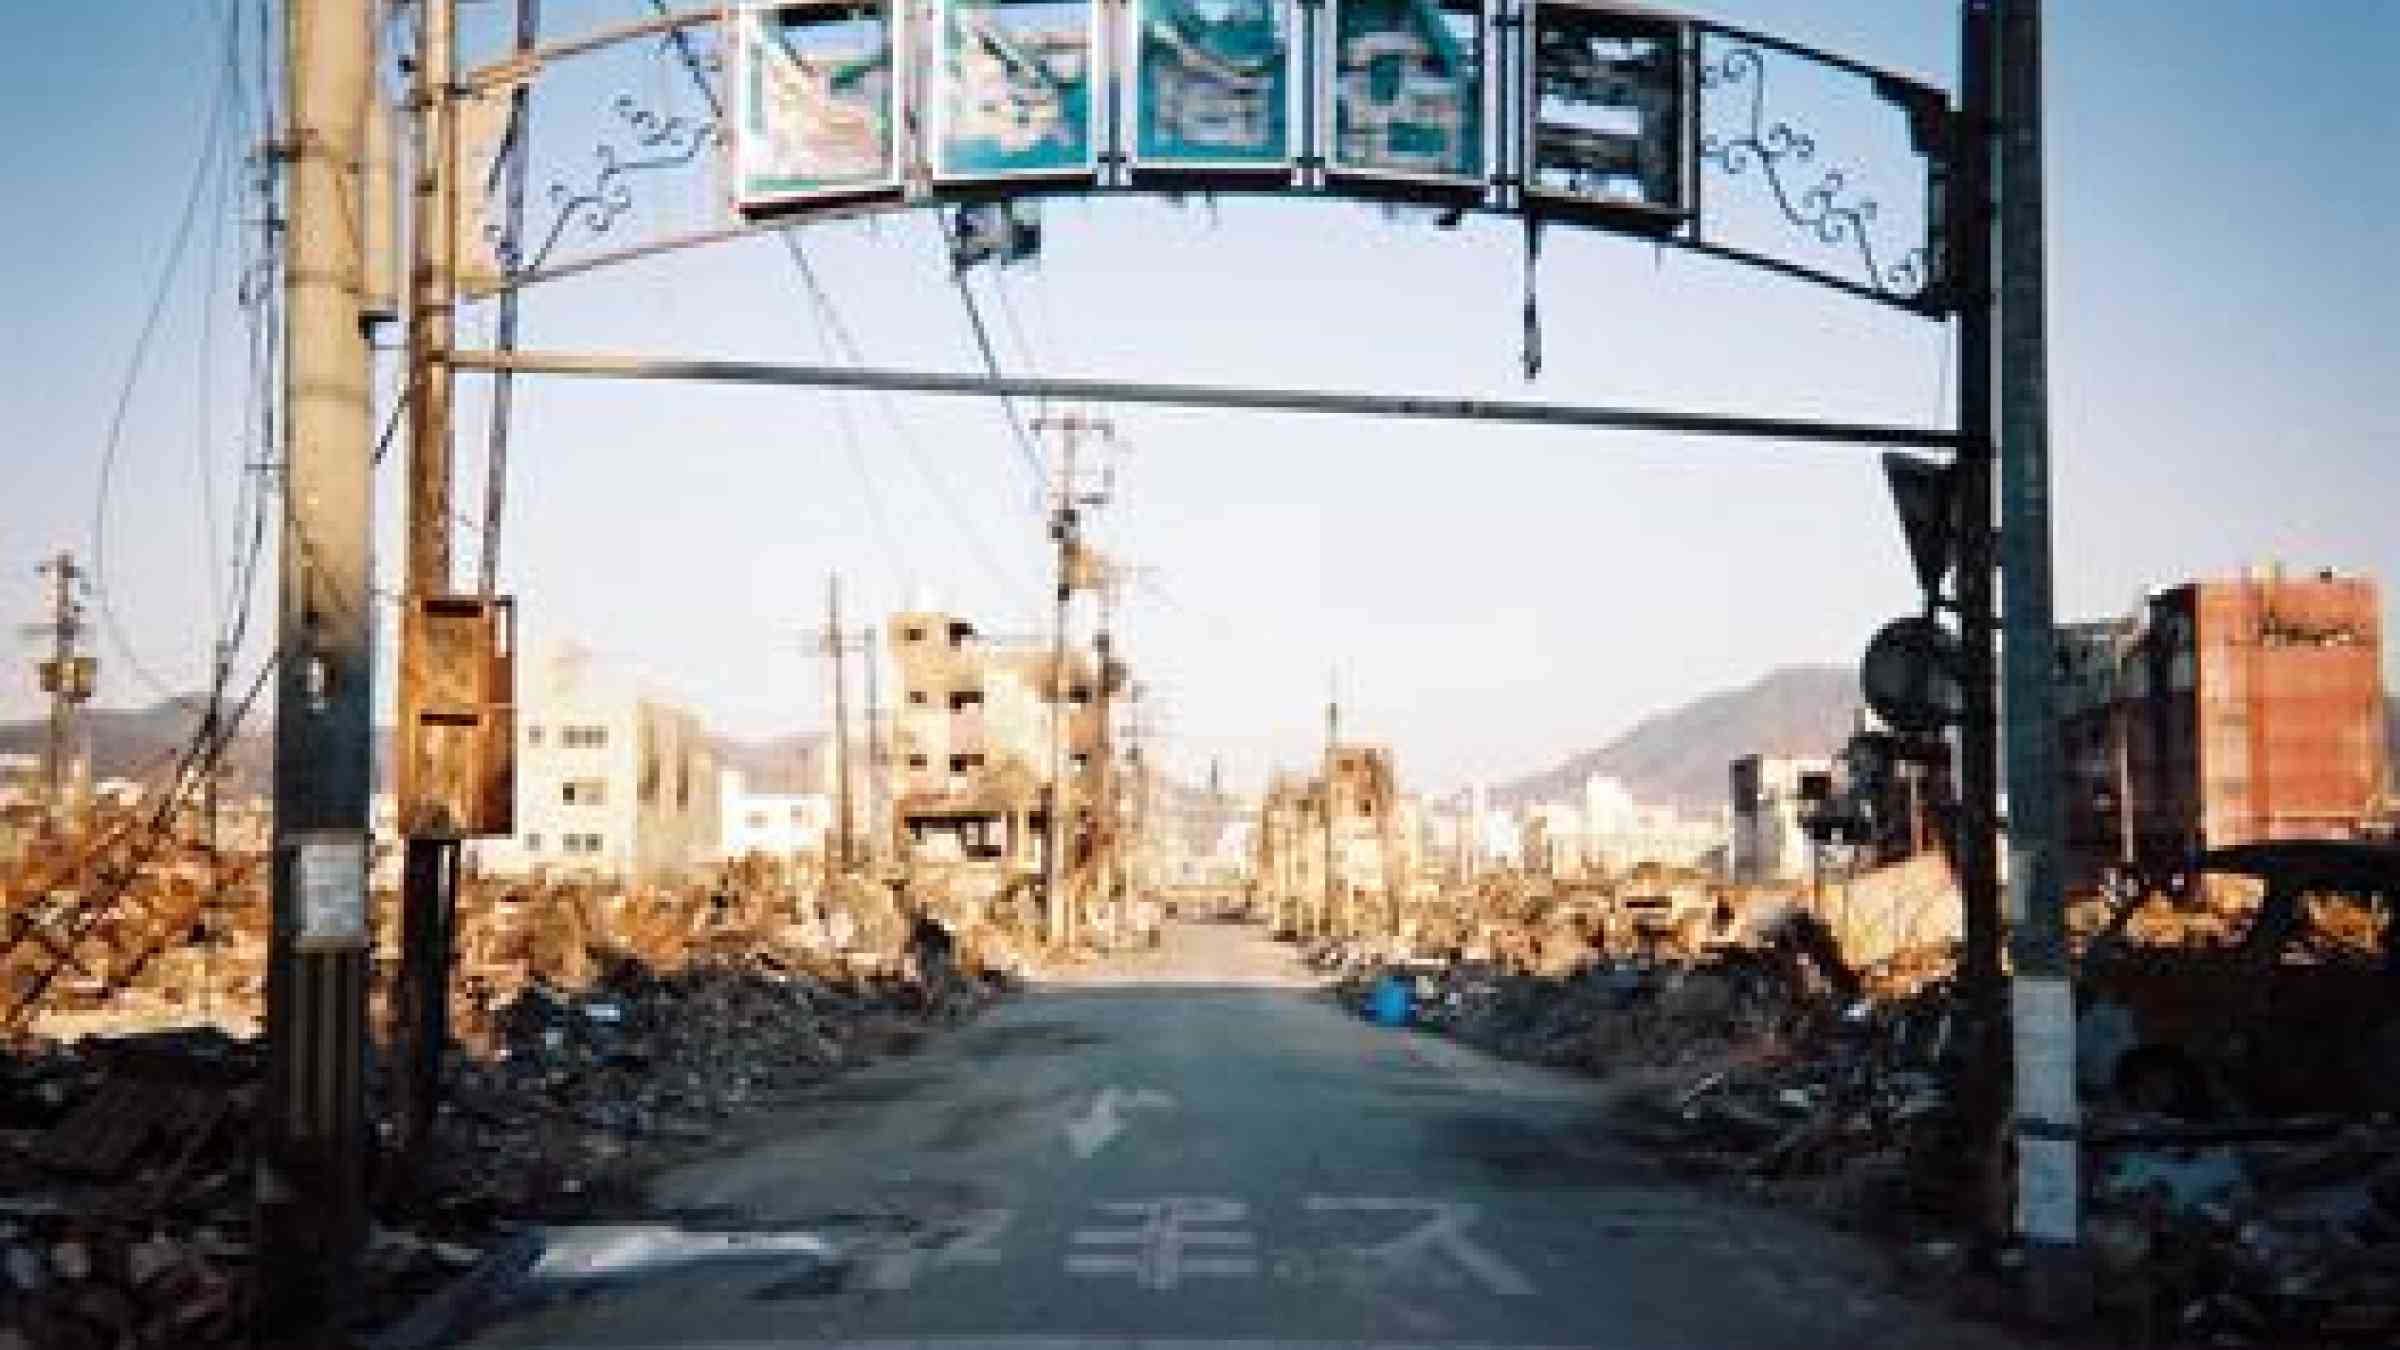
311, 1162
2042, 1004
429, 870
66, 676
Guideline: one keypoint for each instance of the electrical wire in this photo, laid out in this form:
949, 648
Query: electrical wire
991, 366
113, 441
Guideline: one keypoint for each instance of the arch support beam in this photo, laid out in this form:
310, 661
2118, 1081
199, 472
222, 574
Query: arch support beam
598, 365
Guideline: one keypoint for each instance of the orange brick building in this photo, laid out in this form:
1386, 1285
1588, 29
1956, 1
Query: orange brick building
2227, 712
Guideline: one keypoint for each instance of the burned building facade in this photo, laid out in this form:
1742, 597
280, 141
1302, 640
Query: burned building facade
1351, 819
2223, 712
971, 740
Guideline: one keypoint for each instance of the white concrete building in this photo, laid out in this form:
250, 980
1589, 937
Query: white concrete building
773, 824
1770, 795
612, 780
1621, 834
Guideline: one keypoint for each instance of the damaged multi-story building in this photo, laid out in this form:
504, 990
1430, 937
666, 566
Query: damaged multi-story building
971, 752
1362, 828
2224, 712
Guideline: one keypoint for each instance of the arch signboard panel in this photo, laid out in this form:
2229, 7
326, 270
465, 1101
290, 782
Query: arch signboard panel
817, 103
1406, 97
1015, 92
1607, 128
1213, 88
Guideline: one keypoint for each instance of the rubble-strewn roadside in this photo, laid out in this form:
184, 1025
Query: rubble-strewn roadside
602, 1034
1766, 1065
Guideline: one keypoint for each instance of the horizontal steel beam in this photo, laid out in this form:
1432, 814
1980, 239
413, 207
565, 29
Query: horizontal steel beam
708, 371
526, 65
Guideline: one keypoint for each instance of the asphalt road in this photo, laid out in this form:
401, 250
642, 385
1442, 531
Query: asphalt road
1194, 1148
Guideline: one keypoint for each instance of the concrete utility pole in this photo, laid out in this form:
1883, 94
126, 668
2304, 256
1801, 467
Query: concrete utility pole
67, 678
1333, 727
869, 654
429, 871
311, 1170
1104, 773
1065, 530
2042, 997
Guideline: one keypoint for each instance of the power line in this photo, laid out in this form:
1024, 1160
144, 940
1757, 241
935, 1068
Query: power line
991, 365
834, 336
210, 141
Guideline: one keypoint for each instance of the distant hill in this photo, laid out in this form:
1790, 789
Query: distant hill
144, 742
1676, 757
1679, 757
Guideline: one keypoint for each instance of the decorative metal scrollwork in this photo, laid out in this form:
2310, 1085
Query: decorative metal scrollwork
659, 141
1828, 208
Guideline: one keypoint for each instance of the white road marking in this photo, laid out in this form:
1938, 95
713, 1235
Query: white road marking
1033, 1341
977, 1245
1443, 1234
1091, 1132
1170, 1242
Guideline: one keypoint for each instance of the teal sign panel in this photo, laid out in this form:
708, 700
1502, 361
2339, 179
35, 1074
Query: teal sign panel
1016, 89
818, 113
1214, 84
1408, 88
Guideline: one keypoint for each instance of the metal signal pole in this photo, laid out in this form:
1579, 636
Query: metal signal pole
2042, 995
311, 1168
1979, 758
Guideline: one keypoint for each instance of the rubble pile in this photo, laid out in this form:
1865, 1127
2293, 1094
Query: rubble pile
589, 1086
601, 1032
124, 1193
2221, 1208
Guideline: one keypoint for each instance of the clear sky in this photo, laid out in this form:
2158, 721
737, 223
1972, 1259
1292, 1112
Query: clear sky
2223, 307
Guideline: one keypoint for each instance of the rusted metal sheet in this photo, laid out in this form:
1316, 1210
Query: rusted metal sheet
457, 762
